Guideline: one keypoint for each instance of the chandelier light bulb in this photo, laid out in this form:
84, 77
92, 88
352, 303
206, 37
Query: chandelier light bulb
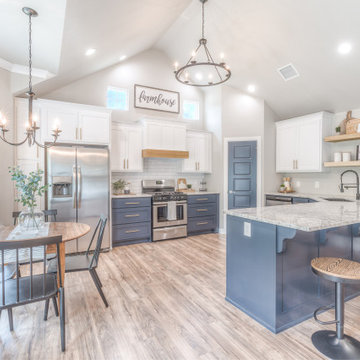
3, 120
202, 63
176, 65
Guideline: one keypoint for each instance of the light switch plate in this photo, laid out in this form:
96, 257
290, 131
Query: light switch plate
247, 229
317, 185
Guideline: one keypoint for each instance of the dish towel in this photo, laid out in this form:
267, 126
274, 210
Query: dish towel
171, 215
24, 254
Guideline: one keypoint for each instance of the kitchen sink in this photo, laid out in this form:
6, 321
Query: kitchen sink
338, 199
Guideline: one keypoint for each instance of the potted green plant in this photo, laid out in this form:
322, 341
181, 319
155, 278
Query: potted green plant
29, 188
118, 186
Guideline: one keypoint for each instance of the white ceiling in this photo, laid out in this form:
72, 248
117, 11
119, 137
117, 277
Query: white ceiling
260, 36
47, 32
256, 36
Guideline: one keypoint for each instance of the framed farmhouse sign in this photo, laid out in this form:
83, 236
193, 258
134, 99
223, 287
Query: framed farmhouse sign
146, 97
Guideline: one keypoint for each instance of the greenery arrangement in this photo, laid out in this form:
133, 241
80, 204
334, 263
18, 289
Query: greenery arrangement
29, 186
119, 185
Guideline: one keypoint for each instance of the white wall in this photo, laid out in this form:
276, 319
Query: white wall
329, 180
6, 151
150, 68
158, 169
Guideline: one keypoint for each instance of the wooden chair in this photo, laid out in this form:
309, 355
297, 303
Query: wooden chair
52, 213
35, 287
15, 216
336, 345
47, 213
85, 262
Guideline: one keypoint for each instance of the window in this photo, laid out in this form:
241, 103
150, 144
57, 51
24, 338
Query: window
191, 110
117, 99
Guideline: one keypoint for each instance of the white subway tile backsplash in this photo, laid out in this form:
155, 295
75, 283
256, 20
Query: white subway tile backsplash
158, 169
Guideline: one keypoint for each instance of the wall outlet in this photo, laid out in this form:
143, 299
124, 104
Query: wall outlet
317, 184
297, 184
247, 229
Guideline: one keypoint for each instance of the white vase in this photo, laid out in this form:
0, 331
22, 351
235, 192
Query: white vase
31, 220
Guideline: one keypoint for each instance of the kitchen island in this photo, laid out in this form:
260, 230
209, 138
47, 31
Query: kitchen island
268, 254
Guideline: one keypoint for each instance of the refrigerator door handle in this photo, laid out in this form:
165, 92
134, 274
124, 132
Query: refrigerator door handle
79, 187
74, 186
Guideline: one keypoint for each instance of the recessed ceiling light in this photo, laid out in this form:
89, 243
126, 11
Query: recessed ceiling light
251, 88
122, 57
90, 51
344, 48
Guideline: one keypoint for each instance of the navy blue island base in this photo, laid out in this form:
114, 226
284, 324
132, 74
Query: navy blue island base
268, 274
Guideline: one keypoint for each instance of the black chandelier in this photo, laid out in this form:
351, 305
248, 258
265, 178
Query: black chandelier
201, 69
31, 128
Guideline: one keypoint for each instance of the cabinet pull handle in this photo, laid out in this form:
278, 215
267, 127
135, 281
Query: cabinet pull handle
202, 210
124, 165
202, 199
131, 231
127, 161
37, 151
202, 223
76, 133
132, 203
80, 133
296, 164
132, 215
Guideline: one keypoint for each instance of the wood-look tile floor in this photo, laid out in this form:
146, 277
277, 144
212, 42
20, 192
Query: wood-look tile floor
166, 302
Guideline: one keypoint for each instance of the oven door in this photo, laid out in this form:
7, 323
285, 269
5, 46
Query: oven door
162, 216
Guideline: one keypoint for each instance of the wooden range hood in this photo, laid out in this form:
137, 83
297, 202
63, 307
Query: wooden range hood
169, 154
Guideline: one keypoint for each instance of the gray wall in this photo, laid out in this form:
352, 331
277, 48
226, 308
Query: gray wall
232, 113
6, 151
150, 68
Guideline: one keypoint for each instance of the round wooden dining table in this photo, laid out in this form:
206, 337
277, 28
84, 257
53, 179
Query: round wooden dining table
68, 230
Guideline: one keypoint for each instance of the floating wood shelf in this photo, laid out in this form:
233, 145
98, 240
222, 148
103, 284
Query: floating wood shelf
345, 137
342, 163
170, 154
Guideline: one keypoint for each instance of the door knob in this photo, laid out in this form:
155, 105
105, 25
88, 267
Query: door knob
231, 192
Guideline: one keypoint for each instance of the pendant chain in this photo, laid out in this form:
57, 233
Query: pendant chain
30, 55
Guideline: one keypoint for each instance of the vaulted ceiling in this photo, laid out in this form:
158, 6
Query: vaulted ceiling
256, 36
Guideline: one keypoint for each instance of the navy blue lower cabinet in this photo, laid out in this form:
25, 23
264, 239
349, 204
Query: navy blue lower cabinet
203, 214
268, 274
131, 220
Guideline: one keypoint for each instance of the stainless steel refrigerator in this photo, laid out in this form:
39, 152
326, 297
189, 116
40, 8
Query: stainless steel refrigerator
79, 188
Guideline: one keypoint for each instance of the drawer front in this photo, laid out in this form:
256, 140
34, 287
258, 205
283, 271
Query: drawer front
201, 199
296, 200
131, 232
131, 202
203, 223
131, 215
205, 209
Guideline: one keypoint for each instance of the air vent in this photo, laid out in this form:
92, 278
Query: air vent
288, 72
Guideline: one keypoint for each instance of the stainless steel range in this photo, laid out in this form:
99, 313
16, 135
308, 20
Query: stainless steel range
169, 215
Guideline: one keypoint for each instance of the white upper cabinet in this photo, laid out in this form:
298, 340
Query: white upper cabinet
299, 143
164, 135
198, 143
78, 123
126, 148
94, 127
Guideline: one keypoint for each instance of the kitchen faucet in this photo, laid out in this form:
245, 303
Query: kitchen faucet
348, 186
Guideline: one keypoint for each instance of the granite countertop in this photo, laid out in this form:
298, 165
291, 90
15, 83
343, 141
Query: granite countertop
124, 196
203, 193
316, 197
306, 217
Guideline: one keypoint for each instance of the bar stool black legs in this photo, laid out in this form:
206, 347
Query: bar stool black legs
335, 344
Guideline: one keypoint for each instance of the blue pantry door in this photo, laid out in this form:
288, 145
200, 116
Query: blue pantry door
242, 174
